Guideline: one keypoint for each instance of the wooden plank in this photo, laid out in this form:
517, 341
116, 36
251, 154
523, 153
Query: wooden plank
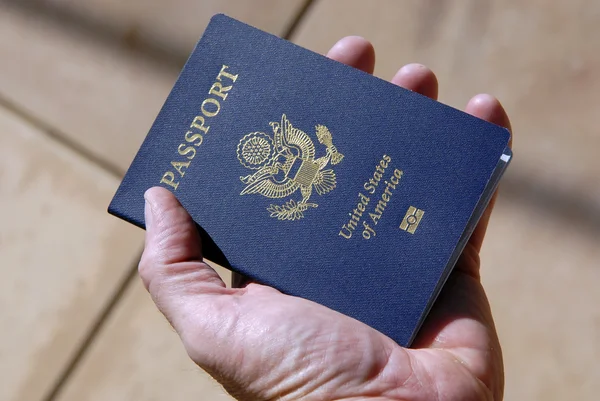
138, 356
100, 95
175, 26
541, 275
62, 255
539, 57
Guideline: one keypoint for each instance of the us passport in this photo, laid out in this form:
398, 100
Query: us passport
316, 178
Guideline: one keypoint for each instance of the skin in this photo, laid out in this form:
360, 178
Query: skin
263, 345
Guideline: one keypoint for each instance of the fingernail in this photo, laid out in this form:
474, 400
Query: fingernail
148, 213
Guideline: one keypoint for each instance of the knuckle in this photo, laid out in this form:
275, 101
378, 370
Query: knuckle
147, 267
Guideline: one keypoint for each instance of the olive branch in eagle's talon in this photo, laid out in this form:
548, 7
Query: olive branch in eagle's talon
290, 210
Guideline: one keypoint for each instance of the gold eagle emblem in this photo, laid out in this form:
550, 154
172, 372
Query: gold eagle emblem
284, 163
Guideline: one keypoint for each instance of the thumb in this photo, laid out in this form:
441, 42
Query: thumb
171, 266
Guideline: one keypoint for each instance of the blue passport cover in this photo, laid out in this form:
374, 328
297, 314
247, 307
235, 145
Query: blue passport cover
316, 178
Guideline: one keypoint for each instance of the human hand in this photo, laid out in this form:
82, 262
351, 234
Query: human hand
263, 345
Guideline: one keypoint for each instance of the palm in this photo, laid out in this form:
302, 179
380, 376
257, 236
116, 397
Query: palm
456, 358
261, 344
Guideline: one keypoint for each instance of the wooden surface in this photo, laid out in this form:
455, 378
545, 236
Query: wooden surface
81, 82
97, 95
100, 94
174, 26
138, 356
62, 256
541, 275
539, 57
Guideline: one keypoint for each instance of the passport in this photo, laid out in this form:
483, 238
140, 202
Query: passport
316, 178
